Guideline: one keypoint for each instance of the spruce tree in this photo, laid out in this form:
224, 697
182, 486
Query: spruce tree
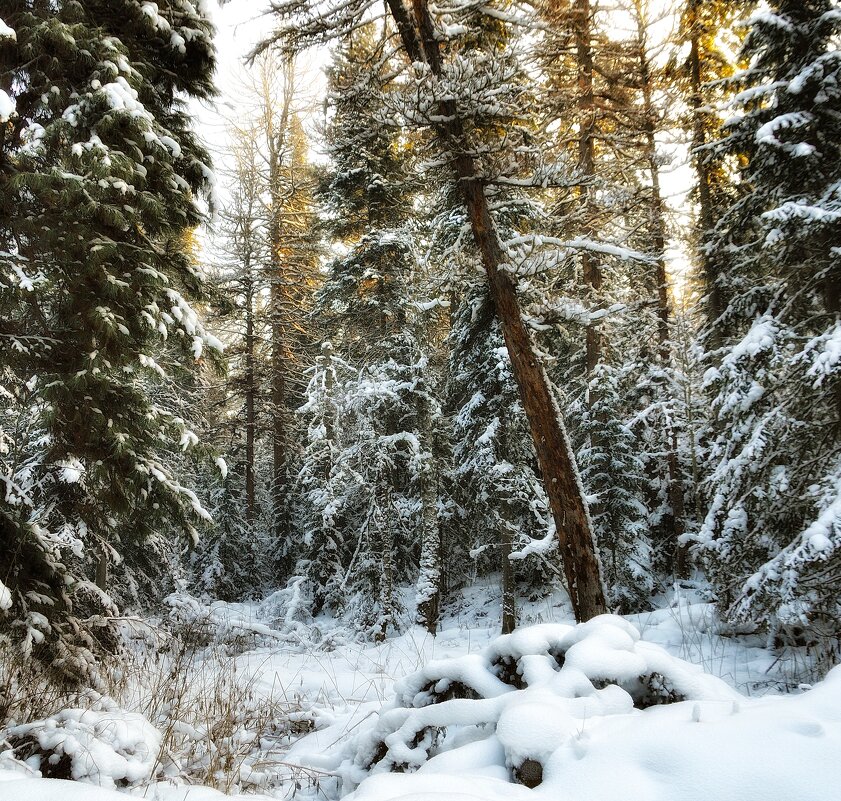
100, 176
772, 535
365, 491
500, 509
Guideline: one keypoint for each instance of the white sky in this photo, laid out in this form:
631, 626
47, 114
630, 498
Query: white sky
240, 26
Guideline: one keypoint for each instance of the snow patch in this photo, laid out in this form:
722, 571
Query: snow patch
7, 107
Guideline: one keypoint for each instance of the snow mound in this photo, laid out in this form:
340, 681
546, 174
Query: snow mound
591, 711
109, 749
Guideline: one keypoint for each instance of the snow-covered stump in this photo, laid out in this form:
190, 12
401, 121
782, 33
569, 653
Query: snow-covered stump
527, 695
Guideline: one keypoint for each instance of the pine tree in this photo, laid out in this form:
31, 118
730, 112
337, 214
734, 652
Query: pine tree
240, 280
468, 92
100, 175
657, 385
291, 273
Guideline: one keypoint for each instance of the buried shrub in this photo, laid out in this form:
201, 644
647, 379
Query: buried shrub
527, 694
107, 748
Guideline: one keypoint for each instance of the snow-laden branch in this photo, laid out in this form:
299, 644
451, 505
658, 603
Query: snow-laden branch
520, 247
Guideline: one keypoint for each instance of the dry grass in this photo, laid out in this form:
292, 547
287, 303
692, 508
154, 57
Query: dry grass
221, 725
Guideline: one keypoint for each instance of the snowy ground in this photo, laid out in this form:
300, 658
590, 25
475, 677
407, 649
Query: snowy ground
758, 744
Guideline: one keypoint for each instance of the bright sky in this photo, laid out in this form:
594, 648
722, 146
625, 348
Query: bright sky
240, 26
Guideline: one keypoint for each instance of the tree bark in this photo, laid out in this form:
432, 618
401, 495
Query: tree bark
706, 216
509, 590
385, 539
102, 571
591, 269
276, 136
554, 453
278, 394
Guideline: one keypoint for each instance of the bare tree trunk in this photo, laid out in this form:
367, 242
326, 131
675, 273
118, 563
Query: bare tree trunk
329, 380
385, 537
554, 453
250, 392
276, 136
715, 301
509, 590
657, 227
278, 395
429, 580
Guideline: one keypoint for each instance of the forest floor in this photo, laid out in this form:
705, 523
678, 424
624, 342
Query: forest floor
267, 710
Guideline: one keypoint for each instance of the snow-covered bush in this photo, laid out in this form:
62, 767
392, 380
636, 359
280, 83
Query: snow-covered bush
196, 624
108, 748
530, 692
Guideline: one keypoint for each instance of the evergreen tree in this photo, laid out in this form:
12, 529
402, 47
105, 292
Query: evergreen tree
772, 535
363, 472
613, 471
100, 175
366, 464
707, 32
501, 511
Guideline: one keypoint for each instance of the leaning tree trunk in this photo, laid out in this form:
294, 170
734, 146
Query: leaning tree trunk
554, 452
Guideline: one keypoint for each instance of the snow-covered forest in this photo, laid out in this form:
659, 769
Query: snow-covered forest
420, 399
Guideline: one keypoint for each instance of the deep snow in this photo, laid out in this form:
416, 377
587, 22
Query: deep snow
737, 736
